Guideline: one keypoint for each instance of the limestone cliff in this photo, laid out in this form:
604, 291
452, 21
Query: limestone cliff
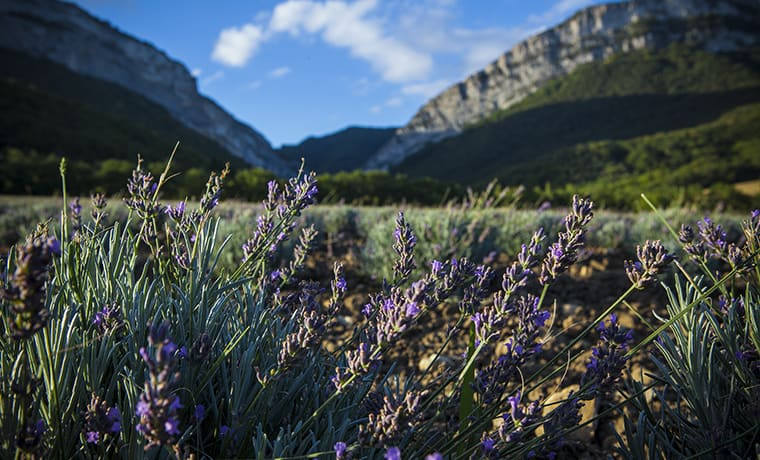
66, 34
592, 34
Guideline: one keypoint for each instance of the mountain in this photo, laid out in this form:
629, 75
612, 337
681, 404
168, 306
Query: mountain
58, 34
676, 118
592, 35
344, 150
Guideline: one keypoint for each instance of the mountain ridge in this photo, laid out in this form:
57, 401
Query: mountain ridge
590, 35
66, 34
346, 149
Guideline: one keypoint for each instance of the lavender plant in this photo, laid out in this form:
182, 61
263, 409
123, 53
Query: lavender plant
706, 354
138, 344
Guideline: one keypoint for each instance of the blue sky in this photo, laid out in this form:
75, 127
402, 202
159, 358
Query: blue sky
294, 68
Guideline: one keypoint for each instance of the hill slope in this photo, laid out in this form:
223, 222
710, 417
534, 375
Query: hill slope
615, 120
63, 33
345, 150
591, 35
48, 108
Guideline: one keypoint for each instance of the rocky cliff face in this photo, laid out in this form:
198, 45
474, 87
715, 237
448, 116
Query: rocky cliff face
592, 34
66, 34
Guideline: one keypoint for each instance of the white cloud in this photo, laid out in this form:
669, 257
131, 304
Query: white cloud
279, 72
236, 45
196, 72
349, 26
398, 39
254, 84
213, 77
426, 89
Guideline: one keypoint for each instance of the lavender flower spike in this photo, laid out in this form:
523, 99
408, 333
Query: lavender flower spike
652, 259
607, 358
158, 404
25, 290
101, 420
564, 252
404, 247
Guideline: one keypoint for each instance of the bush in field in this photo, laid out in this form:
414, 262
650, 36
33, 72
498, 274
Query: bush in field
127, 340
708, 356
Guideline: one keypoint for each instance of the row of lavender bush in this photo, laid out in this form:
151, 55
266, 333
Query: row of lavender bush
107, 353
480, 232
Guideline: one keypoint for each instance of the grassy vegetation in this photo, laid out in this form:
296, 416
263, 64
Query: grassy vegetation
677, 121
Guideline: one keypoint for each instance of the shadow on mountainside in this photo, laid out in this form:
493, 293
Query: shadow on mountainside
496, 148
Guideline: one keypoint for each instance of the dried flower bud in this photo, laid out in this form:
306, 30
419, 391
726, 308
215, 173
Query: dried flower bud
652, 259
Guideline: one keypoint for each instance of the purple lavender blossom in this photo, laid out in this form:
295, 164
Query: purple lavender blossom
101, 420
388, 423
488, 446
394, 453
157, 407
564, 252
713, 236
76, 215
436, 267
26, 287
434, 456
199, 412
210, 198
108, 319
340, 450
404, 244
519, 418
608, 358
652, 259
29, 436
341, 284
176, 213
141, 189
564, 417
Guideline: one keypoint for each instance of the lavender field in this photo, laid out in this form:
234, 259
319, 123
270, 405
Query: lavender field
203, 330
382, 230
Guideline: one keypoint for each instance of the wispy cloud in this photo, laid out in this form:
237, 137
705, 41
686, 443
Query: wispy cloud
236, 45
254, 84
213, 77
279, 72
196, 72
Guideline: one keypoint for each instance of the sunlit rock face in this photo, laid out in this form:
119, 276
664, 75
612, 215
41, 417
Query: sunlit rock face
592, 34
66, 34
